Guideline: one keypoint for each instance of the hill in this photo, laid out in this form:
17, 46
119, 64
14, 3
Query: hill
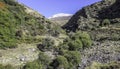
20, 23
102, 17
21, 30
102, 21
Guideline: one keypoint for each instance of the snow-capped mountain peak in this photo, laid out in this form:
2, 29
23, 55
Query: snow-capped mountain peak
60, 15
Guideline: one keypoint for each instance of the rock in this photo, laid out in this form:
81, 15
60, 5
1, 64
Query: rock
22, 58
32, 49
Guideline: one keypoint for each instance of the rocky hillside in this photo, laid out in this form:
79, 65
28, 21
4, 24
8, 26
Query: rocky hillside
100, 16
91, 16
102, 21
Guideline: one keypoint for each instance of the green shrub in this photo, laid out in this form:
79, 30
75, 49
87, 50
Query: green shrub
76, 42
75, 45
47, 44
105, 22
63, 46
44, 59
33, 65
60, 63
85, 38
73, 58
71, 35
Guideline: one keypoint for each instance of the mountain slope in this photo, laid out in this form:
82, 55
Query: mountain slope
61, 18
19, 23
102, 21
21, 29
102, 17
91, 16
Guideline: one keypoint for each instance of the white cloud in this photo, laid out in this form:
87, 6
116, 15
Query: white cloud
60, 15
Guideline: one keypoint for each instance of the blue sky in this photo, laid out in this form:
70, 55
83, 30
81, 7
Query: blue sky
51, 7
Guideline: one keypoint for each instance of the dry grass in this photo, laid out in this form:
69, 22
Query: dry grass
2, 5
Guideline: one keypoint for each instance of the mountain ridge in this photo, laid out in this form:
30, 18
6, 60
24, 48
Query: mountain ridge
89, 14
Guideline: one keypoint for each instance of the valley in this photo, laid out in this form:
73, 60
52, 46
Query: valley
89, 39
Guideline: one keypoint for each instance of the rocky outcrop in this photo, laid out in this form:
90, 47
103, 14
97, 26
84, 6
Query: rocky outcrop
92, 15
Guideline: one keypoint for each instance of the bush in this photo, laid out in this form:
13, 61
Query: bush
73, 58
71, 35
75, 45
85, 38
105, 22
60, 63
33, 65
44, 59
47, 44
76, 42
56, 33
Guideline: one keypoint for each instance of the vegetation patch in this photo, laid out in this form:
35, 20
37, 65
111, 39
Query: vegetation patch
17, 26
76, 42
